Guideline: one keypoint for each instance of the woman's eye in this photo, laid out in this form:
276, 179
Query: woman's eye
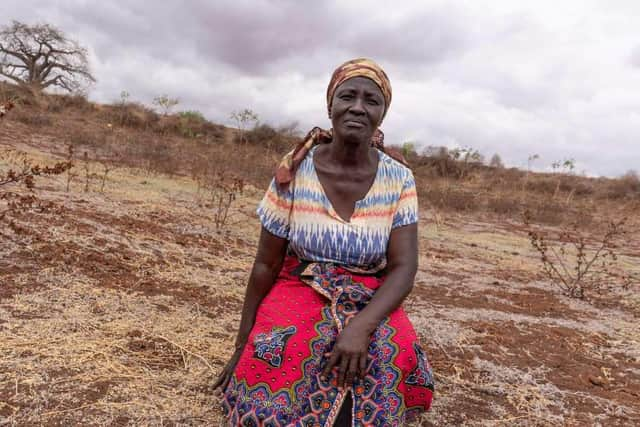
373, 102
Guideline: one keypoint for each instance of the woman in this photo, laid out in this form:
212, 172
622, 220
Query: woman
323, 340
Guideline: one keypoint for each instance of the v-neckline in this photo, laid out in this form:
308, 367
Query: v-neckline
332, 210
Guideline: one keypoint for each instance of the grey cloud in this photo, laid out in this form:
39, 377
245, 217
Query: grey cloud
507, 79
635, 56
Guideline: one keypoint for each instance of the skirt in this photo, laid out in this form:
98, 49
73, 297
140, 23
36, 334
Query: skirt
277, 379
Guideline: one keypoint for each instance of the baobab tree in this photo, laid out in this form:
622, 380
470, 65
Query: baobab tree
40, 56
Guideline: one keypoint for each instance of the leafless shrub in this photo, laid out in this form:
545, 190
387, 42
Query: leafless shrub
26, 171
108, 165
23, 173
88, 174
223, 189
70, 172
578, 262
5, 107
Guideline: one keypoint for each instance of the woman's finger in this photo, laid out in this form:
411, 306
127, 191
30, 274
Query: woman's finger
333, 360
342, 373
352, 371
220, 379
225, 383
362, 368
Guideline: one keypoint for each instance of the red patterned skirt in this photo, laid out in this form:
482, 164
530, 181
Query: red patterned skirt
277, 379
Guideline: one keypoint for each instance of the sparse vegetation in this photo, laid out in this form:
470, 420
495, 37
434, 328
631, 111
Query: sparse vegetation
118, 308
165, 103
578, 262
243, 119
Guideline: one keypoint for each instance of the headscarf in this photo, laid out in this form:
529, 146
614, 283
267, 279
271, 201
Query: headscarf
360, 67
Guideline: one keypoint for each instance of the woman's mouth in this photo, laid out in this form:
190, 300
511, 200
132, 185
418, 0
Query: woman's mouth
354, 124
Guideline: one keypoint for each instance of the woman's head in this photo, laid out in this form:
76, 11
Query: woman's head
358, 98
360, 67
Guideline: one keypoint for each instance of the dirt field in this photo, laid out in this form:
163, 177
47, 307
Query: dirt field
119, 308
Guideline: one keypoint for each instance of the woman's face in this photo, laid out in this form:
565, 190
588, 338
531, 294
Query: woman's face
357, 109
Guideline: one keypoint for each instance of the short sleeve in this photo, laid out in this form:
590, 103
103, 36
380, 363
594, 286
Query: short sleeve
274, 209
407, 209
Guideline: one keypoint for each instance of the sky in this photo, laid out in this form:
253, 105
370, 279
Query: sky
559, 79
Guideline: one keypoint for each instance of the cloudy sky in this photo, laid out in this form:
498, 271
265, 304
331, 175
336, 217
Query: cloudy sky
560, 79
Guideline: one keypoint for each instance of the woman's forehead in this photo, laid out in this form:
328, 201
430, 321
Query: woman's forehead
360, 82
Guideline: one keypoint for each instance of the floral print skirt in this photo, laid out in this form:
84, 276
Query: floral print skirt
277, 379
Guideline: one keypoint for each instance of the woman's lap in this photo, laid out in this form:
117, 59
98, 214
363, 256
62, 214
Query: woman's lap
277, 377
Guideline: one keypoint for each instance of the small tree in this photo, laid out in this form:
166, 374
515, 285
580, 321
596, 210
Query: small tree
242, 119
408, 149
165, 103
122, 105
496, 161
40, 56
567, 166
466, 156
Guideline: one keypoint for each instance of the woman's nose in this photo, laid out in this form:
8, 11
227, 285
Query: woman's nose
357, 106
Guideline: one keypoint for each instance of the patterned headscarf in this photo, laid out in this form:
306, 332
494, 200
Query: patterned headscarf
360, 67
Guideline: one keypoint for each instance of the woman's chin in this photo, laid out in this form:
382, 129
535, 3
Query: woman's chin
355, 135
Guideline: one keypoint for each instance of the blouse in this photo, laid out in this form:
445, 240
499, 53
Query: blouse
302, 213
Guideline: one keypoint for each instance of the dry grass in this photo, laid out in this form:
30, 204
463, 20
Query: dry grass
119, 307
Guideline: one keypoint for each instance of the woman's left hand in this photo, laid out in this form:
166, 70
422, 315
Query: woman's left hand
349, 355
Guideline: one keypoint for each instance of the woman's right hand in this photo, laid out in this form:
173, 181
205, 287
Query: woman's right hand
225, 376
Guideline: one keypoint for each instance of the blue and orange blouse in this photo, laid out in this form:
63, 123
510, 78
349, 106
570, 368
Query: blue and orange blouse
302, 213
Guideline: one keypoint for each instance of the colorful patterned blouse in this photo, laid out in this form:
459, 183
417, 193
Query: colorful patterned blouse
302, 213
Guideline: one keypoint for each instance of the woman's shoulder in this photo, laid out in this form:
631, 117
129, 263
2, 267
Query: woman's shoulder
393, 169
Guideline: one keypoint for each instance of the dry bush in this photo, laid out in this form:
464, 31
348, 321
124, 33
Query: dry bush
60, 103
444, 195
223, 191
580, 262
129, 114
21, 171
16, 94
29, 118
261, 134
157, 155
85, 137
625, 187
276, 141
504, 203
546, 211
5, 107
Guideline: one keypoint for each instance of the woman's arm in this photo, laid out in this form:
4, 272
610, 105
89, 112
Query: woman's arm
266, 267
402, 265
350, 351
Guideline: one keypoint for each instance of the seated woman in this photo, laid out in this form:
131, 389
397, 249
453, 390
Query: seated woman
323, 340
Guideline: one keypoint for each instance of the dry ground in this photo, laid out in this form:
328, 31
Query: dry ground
119, 308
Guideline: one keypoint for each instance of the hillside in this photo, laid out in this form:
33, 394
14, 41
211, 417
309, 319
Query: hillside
120, 296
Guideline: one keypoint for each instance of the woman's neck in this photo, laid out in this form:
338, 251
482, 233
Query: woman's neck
349, 154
